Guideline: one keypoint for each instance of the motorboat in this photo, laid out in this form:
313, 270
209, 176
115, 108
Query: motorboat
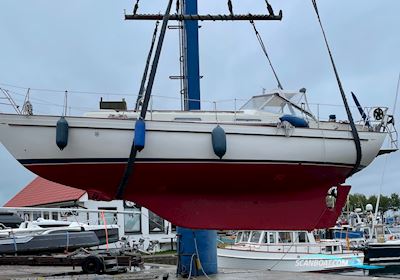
105, 233
296, 251
277, 152
50, 236
9, 219
49, 241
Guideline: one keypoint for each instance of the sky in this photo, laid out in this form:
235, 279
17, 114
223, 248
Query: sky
87, 48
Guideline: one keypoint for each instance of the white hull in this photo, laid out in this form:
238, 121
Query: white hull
294, 262
178, 171
33, 137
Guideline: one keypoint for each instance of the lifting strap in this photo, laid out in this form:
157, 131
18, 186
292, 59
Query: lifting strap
230, 7
264, 49
354, 131
136, 7
132, 156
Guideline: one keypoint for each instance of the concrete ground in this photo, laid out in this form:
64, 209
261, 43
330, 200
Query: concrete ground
161, 271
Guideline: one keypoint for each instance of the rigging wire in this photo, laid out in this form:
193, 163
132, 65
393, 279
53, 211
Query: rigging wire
63, 91
264, 49
146, 69
354, 131
397, 94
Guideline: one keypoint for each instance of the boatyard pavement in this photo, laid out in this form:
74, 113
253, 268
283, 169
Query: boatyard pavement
164, 272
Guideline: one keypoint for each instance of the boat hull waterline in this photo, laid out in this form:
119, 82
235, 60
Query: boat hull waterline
179, 177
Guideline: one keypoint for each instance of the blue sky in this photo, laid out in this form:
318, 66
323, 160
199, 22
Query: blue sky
86, 46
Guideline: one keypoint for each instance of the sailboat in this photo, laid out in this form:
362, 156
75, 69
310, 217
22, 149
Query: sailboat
207, 169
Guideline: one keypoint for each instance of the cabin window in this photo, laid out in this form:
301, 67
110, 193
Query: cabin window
255, 236
265, 238
46, 215
109, 218
285, 237
239, 236
302, 237
336, 248
156, 223
247, 120
187, 119
245, 237
272, 238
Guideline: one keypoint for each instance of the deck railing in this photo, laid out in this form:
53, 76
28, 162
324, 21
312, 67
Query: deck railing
54, 102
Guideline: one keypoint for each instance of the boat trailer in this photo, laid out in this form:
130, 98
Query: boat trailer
91, 261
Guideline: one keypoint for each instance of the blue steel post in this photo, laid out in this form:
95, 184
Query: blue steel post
192, 56
197, 252
200, 245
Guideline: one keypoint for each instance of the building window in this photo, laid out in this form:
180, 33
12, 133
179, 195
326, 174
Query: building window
156, 223
54, 215
132, 222
36, 215
110, 218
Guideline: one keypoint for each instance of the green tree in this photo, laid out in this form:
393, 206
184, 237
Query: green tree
357, 200
384, 203
395, 200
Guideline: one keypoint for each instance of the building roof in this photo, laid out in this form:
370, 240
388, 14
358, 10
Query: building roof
41, 191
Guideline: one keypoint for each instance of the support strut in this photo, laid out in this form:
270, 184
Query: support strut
204, 17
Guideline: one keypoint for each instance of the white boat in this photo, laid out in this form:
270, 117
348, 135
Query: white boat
296, 251
49, 236
179, 171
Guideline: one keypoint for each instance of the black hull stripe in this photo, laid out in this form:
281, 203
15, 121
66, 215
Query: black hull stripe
171, 160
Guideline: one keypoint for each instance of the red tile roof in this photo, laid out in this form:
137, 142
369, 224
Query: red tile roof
41, 191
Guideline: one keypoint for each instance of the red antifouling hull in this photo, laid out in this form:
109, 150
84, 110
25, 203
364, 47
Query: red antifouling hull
223, 195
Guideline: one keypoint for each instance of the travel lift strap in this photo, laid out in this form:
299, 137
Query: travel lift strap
354, 131
132, 157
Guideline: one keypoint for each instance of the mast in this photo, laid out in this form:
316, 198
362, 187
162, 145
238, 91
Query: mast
190, 75
191, 59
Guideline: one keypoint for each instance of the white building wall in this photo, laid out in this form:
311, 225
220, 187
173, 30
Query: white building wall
163, 238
